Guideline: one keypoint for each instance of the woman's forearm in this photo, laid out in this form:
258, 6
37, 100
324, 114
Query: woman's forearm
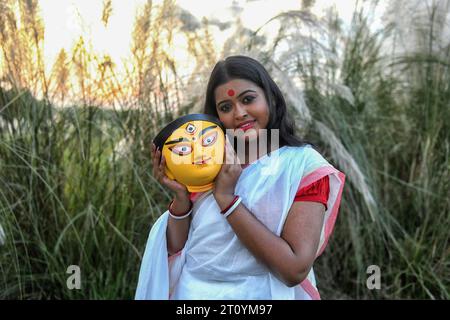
177, 230
267, 247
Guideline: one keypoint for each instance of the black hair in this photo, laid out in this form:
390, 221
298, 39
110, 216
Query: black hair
243, 67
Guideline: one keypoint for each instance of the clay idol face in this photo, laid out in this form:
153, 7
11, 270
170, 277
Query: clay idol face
194, 154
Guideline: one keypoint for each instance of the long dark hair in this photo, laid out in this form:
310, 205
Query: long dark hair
242, 67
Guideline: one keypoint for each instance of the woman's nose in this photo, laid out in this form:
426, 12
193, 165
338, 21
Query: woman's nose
240, 112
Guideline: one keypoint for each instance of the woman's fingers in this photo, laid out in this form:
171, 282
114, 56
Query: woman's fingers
172, 184
162, 167
165, 180
159, 172
158, 168
162, 164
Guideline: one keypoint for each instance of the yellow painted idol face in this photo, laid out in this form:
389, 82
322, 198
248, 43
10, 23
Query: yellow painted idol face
194, 153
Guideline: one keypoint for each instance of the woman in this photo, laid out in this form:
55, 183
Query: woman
269, 216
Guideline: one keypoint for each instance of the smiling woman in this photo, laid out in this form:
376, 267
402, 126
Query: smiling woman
76, 187
257, 233
247, 110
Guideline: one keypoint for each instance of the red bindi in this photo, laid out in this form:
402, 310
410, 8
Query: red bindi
230, 92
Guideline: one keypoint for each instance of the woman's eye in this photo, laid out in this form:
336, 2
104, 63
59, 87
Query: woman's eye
181, 150
224, 107
248, 99
209, 139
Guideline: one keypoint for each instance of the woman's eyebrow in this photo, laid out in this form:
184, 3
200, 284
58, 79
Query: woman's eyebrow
206, 129
240, 94
176, 141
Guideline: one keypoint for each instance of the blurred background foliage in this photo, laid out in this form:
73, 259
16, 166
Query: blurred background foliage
75, 165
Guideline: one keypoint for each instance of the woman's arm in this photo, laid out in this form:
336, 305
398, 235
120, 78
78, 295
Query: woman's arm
290, 256
178, 229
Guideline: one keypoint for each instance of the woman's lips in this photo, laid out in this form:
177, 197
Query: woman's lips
247, 126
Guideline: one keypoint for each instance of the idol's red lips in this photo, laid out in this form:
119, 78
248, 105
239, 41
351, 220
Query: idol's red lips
245, 123
203, 161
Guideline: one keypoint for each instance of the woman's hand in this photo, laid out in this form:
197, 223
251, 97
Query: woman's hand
159, 173
177, 229
227, 178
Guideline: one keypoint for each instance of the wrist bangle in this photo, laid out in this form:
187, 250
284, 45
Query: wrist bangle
179, 216
229, 206
233, 207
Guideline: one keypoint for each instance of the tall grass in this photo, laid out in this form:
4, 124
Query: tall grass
76, 181
381, 116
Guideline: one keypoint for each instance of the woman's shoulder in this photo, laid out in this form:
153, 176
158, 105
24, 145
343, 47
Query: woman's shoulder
304, 150
306, 153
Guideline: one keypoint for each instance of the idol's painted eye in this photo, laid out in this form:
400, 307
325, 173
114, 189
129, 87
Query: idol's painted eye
209, 139
190, 128
181, 149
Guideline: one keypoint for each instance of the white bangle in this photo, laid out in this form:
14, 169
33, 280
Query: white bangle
233, 207
180, 217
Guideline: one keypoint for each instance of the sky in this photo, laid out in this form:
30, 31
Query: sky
66, 20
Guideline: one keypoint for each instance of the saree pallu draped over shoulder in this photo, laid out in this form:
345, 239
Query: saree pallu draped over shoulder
214, 264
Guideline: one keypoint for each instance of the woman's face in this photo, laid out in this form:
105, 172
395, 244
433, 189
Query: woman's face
242, 105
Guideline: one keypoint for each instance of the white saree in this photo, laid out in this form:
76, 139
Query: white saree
214, 264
